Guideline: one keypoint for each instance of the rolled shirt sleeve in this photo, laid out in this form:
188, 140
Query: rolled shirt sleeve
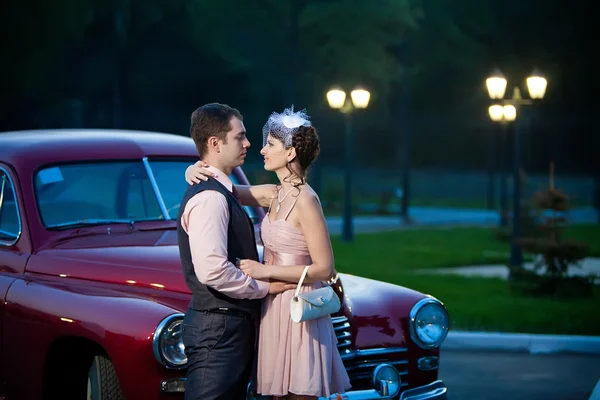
206, 221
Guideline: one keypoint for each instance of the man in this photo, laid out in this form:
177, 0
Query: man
219, 328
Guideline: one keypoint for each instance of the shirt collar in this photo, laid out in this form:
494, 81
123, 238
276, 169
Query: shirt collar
221, 177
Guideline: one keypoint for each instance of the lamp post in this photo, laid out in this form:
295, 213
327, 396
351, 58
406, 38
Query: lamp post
504, 115
496, 86
337, 99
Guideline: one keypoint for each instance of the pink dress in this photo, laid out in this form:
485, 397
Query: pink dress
299, 358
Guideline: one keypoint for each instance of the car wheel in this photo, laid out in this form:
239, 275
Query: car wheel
103, 383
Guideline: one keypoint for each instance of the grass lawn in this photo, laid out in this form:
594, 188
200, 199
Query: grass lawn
473, 303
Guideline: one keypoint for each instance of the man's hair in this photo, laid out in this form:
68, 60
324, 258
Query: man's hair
211, 120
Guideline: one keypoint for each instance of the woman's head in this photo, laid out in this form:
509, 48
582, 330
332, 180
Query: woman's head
290, 143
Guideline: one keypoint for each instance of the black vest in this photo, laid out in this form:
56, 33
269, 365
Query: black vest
240, 244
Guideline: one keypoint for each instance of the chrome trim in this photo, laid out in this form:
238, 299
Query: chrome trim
155, 340
164, 385
376, 363
432, 360
433, 391
346, 325
5, 242
343, 335
161, 202
337, 320
413, 314
436, 388
373, 352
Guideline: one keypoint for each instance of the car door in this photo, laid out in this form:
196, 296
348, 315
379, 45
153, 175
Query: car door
14, 249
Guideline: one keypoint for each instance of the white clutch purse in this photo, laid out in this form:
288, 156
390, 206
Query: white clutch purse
314, 304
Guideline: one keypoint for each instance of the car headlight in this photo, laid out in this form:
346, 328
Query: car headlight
428, 323
168, 343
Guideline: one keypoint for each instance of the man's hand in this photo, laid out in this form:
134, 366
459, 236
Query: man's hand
276, 287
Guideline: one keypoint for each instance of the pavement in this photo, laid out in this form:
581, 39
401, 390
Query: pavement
589, 266
492, 375
442, 217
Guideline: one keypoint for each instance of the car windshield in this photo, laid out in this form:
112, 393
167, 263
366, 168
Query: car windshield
84, 194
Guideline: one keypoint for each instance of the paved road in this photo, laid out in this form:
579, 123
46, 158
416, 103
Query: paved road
518, 376
440, 217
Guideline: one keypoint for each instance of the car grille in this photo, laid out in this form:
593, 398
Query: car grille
361, 363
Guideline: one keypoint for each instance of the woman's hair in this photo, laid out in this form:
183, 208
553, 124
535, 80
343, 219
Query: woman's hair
306, 142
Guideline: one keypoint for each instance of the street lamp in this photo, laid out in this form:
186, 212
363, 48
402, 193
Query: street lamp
337, 99
496, 86
503, 114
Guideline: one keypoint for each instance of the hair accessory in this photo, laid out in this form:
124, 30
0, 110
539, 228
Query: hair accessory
284, 125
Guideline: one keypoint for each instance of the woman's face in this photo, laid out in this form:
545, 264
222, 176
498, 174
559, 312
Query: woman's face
275, 154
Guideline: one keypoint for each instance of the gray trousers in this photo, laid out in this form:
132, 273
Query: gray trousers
221, 354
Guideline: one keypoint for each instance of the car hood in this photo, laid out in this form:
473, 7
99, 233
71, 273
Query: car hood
141, 259
378, 311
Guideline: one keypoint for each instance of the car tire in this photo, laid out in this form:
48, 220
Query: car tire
103, 383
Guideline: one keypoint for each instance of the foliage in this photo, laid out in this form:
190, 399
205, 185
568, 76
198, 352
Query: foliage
146, 64
550, 275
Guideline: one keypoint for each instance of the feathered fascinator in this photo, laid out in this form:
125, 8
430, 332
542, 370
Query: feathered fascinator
284, 125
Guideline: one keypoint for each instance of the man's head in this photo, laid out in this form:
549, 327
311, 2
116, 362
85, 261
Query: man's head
220, 136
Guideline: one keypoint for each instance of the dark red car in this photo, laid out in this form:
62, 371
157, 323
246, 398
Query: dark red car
92, 287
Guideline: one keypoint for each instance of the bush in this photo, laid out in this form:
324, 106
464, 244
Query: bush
550, 276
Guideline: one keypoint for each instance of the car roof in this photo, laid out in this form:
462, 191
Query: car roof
40, 147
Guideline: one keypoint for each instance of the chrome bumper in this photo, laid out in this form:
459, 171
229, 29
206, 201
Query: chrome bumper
434, 391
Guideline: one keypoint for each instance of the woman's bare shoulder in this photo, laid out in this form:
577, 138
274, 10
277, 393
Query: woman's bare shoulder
308, 198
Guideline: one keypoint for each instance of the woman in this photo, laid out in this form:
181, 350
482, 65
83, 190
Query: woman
295, 360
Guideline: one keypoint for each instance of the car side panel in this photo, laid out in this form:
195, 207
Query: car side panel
40, 312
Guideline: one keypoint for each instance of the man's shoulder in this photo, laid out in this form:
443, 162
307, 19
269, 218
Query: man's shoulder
204, 186
208, 194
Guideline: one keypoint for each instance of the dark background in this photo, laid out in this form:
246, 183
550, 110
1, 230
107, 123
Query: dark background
147, 64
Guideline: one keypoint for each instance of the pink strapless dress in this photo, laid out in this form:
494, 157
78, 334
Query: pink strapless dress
299, 358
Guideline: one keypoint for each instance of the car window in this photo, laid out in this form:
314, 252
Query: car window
111, 191
10, 224
170, 179
102, 191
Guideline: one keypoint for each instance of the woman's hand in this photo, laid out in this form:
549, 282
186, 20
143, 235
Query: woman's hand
196, 172
255, 269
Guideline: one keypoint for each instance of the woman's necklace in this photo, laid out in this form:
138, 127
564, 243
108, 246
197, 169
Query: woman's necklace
279, 201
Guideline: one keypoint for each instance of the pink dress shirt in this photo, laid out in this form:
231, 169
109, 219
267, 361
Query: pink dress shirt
205, 220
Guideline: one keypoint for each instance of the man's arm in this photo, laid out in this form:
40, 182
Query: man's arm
206, 221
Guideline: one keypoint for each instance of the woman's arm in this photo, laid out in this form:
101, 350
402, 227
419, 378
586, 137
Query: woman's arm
255, 196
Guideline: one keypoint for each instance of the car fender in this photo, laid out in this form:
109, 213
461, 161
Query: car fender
40, 312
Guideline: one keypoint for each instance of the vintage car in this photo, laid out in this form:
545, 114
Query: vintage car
92, 285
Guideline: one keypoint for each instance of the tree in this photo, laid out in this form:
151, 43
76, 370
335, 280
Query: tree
306, 44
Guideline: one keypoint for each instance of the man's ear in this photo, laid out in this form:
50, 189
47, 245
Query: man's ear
291, 154
213, 143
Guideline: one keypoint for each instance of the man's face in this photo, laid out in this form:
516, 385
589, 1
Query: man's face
233, 151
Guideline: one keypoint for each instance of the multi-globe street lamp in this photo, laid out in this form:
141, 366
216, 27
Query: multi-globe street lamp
337, 99
511, 107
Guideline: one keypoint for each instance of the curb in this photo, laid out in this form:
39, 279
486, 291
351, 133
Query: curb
523, 342
596, 393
